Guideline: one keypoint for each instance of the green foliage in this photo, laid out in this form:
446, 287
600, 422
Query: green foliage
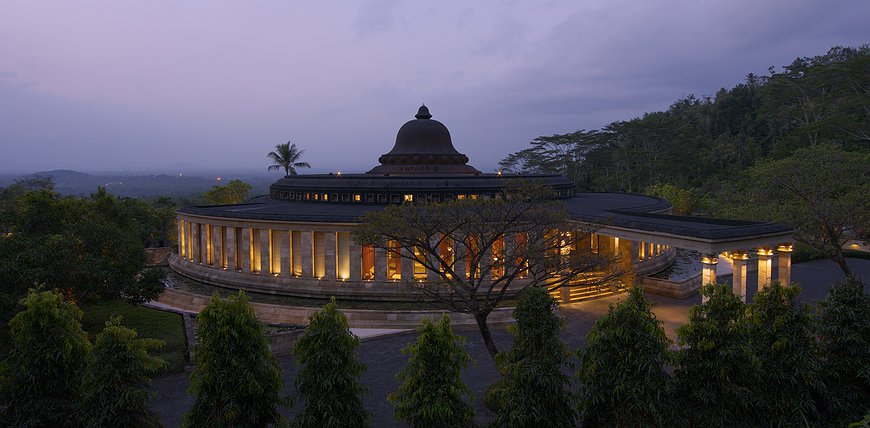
685, 201
286, 156
535, 392
430, 387
842, 326
167, 327
42, 374
623, 381
782, 339
328, 382
115, 388
705, 142
236, 381
234, 192
821, 191
716, 367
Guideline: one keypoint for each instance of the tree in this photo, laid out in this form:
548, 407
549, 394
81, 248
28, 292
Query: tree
622, 376
842, 325
821, 191
478, 252
287, 156
234, 192
430, 387
237, 381
42, 374
115, 388
328, 382
715, 366
781, 337
535, 391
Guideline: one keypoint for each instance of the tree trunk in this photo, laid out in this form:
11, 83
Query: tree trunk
841, 262
485, 333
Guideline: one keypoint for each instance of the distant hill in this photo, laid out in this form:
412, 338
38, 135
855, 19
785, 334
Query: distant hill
68, 182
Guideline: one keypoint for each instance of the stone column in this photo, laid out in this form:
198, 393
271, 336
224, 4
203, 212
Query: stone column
784, 268
708, 271
739, 260
190, 243
624, 250
245, 253
407, 265
307, 256
180, 229
203, 249
194, 241
380, 264
216, 246
432, 276
765, 267
265, 250
284, 250
329, 252
231, 248
459, 261
355, 253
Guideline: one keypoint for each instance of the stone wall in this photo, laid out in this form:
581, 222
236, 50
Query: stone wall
357, 318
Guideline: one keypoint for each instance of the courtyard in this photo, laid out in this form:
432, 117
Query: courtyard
383, 357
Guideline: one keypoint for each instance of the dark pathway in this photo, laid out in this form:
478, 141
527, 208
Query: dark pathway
383, 356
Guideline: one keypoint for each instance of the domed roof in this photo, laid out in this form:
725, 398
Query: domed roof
423, 146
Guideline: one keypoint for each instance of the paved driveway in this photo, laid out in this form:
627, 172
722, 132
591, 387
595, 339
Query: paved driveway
383, 356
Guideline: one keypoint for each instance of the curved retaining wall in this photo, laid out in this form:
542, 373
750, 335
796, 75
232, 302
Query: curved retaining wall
357, 318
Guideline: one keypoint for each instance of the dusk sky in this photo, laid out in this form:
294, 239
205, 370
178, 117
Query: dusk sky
172, 86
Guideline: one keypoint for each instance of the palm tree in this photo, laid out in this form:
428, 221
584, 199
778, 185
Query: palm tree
286, 156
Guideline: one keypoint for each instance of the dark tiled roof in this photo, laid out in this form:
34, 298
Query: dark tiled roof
639, 212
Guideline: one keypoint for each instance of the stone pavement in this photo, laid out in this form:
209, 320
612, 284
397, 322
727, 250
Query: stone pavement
383, 356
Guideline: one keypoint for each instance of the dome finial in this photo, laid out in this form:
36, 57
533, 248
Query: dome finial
423, 113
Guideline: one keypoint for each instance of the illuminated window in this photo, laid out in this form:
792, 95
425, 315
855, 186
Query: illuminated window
460, 196
316, 196
368, 262
409, 198
473, 196
419, 269
325, 197
394, 262
357, 198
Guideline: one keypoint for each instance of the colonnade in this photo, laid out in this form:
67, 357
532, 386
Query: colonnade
740, 262
334, 255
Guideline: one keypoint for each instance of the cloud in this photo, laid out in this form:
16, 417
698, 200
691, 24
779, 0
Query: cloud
5, 74
375, 17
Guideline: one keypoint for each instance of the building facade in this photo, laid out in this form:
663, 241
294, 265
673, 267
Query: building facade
297, 240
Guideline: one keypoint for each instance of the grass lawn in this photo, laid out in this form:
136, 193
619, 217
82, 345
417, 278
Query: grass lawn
147, 322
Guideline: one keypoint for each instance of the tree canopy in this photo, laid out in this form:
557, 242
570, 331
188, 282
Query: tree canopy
477, 252
42, 374
234, 192
430, 387
237, 381
704, 142
327, 384
286, 156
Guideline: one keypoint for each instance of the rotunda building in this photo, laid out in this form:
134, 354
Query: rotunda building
297, 240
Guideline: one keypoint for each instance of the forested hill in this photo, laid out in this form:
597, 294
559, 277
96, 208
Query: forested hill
701, 142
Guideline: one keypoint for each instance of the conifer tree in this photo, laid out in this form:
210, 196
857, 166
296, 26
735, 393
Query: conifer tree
843, 329
782, 340
237, 381
116, 386
327, 385
715, 367
534, 391
623, 382
42, 374
431, 389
